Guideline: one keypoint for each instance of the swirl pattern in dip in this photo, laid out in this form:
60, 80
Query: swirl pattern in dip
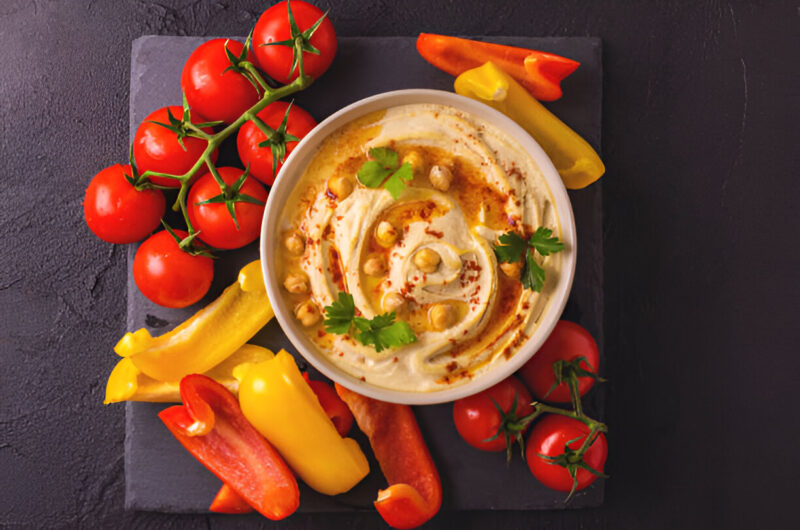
467, 312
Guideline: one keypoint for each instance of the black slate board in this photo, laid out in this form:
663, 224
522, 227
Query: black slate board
161, 476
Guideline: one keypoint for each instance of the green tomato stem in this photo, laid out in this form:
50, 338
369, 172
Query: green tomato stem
574, 393
217, 177
185, 210
263, 127
145, 176
257, 76
198, 131
594, 432
541, 408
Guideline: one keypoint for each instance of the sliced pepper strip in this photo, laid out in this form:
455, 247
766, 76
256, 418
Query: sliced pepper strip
211, 426
576, 161
334, 407
280, 404
539, 72
208, 337
414, 494
228, 501
127, 383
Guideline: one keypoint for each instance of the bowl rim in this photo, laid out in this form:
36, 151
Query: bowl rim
293, 168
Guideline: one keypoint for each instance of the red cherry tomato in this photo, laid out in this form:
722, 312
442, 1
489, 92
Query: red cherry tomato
273, 26
210, 90
334, 407
116, 211
156, 148
549, 437
477, 418
214, 221
167, 275
299, 124
567, 342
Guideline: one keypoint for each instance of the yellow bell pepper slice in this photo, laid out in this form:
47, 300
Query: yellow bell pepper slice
576, 161
208, 337
279, 403
127, 383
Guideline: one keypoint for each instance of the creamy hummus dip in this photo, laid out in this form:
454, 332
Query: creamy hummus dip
426, 255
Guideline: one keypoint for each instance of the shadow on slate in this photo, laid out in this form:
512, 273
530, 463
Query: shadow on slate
161, 476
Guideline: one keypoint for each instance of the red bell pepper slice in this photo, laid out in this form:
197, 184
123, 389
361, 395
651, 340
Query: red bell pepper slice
211, 426
228, 501
334, 407
414, 494
539, 72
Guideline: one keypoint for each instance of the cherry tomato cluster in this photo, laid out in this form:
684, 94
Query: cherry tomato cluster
175, 150
566, 450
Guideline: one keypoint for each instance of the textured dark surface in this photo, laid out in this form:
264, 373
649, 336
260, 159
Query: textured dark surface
700, 133
161, 475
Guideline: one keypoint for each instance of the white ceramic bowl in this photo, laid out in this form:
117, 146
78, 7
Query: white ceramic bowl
293, 169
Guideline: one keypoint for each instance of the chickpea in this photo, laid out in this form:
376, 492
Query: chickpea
427, 260
442, 316
441, 177
393, 301
307, 313
295, 244
386, 234
296, 283
512, 270
415, 159
340, 186
375, 266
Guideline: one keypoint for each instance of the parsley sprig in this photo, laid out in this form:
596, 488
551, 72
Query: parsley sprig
513, 246
383, 163
382, 332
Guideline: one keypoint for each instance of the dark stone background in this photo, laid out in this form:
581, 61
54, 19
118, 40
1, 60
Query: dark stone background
700, 131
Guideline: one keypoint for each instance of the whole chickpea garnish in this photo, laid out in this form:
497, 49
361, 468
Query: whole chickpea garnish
512, 270
427, 260
341, 187
375, 266
415, 159
296, 283
295, 244
393, 301
386, 234
440, 177
442, 316
307, 313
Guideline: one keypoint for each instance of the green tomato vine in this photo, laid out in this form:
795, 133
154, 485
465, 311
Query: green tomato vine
571, 459
276, 139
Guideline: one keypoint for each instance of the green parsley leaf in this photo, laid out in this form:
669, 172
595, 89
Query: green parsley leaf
532, 274
371, 331
382, 332
372, 174
384, 320
369, 337
397, 334
397, 182
384, 156
340, 314
384, 163
511, 249
543, 243
513, 246
361, 323
382, 337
